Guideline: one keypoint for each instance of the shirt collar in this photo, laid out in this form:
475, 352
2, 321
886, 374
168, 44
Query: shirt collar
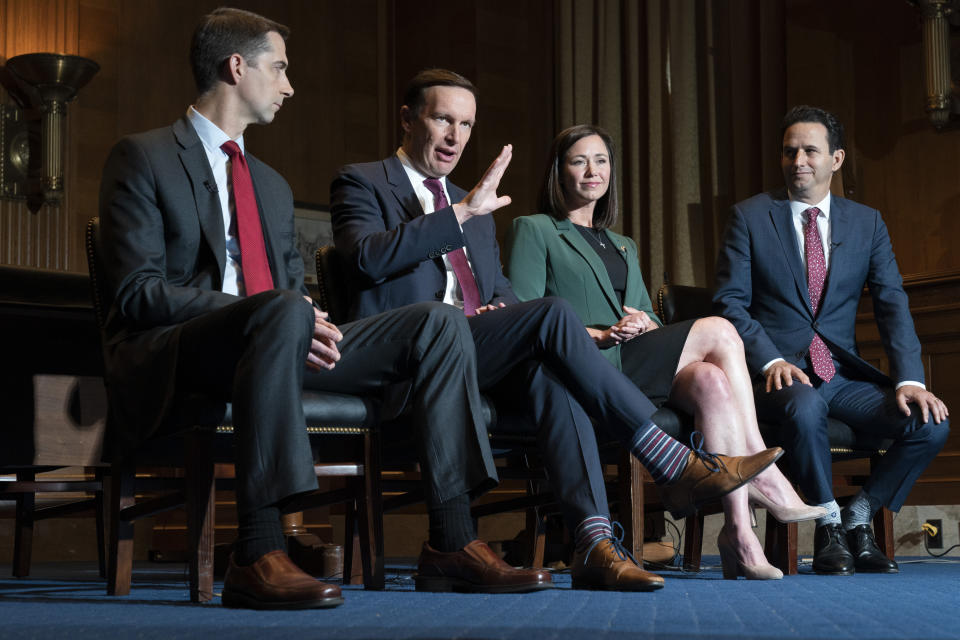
797, 208
210, 134
415, 176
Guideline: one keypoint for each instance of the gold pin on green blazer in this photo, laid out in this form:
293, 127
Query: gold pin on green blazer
549, 257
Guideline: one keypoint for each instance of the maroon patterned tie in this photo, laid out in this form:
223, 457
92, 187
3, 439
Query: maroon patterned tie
816, 276
253, 253
458, 258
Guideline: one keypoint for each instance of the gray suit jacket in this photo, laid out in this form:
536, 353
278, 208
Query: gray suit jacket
762, 287
163, 256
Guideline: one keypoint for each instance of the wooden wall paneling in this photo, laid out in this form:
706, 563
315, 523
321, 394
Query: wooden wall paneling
435, 33
506, 48
334, 115
92, 123
32, 26
514, 73
935, 306
901, 165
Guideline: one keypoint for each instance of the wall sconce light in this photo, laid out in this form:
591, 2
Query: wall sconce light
942, 102
44, 83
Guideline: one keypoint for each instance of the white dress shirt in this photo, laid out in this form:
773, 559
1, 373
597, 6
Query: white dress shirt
212, 138
452, 293
798, 213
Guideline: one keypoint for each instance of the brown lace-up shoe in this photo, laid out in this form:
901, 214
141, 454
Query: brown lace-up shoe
709, 476
608, 566
274, 582
475, 569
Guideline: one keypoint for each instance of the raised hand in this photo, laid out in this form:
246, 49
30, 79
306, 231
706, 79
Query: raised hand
483, 199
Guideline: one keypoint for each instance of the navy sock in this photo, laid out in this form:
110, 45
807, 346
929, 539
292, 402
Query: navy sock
259, 533
451, 526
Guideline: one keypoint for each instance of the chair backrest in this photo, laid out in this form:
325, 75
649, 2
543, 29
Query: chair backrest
332, 283
678, 302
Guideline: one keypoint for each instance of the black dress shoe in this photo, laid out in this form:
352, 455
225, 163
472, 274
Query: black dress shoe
866, 555
831, 556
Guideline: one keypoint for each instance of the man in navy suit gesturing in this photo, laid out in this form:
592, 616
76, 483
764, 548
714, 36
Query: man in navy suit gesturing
789, 277
410, 235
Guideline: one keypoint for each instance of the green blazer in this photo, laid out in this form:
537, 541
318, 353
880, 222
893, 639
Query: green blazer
549, 257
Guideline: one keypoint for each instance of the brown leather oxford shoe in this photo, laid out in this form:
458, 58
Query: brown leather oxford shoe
709, 476
274, 582
607, 566
475, 569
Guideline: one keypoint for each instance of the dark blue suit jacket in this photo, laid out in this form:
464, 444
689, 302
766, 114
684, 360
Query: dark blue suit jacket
394, 252
762, 287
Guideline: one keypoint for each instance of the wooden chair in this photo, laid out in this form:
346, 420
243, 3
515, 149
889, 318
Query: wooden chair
676, 303
35, 306
343, 440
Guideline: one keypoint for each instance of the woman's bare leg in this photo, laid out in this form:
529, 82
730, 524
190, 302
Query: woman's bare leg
702, 389
715, 341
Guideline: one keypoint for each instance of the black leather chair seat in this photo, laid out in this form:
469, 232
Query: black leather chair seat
844, 441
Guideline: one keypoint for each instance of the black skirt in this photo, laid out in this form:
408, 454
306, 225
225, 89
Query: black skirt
650, 360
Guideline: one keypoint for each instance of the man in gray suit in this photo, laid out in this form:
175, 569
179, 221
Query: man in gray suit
206, 294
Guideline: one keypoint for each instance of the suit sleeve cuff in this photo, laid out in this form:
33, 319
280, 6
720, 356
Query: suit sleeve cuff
764, 368
912, 383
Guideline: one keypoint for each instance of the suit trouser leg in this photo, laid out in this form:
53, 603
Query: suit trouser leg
429, 346
869, 407
565, 436
801, 413
574, 380
549, 331
252, 353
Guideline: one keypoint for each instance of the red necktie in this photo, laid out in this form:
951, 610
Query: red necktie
816, 276
253, 253
458, 258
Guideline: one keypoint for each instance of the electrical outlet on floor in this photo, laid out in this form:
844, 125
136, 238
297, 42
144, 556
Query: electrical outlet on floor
935, 541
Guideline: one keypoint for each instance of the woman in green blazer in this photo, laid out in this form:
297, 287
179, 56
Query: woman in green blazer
697, 366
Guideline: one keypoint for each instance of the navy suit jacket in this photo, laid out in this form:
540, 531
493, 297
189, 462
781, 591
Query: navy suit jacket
762, 288
394, 252
163, 254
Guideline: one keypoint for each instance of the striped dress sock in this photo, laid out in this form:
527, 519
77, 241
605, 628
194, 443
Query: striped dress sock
664, 457
590, 530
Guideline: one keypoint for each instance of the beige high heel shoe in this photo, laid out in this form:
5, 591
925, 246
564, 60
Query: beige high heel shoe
732, 567
781, 512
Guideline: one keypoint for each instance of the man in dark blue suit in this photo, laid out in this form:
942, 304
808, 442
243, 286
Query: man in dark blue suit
789, 277
404, 242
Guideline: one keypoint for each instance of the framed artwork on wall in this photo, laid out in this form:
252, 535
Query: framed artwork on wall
313, 230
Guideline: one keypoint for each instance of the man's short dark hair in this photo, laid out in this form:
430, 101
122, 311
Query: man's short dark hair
805, 113
413, 94
221, 34
552, 198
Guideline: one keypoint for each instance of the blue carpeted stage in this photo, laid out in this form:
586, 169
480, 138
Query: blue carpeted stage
922, 602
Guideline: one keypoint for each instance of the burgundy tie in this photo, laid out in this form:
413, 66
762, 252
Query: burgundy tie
458, 258
816, 276
253, 253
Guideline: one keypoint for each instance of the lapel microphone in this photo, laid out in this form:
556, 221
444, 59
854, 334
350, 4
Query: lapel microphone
211, 187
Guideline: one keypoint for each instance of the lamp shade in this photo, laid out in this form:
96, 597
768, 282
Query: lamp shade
55, 76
